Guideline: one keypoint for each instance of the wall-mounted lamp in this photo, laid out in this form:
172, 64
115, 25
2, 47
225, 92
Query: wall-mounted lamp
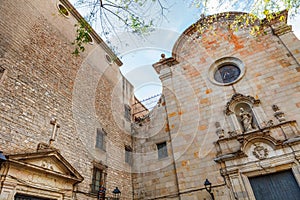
207, 185
117, 193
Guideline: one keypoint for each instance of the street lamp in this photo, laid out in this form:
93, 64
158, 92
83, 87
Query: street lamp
117, 193
207, 185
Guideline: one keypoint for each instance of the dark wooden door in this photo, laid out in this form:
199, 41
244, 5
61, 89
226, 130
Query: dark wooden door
277, 186
27, 197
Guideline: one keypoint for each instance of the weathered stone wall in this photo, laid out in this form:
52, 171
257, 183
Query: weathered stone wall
153, 177
194, 103
43, 79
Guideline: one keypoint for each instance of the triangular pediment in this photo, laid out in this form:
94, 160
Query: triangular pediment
49, 161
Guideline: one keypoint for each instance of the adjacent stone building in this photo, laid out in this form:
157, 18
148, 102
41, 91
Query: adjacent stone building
228, 113
63, 125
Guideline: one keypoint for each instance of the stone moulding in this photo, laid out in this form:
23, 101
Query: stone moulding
257, 136
45, 161
266, 129
164, 63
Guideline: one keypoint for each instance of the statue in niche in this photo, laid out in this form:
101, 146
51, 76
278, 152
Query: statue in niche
246, 120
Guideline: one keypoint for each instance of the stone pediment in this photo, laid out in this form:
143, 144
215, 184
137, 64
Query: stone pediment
49, 162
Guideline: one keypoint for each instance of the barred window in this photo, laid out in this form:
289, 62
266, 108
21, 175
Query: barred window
97, 180
100, 139
162, 150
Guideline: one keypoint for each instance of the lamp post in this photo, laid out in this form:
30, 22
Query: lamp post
207, 185
117, 193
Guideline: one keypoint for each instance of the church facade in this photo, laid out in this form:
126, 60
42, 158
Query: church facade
225, 127
228, 114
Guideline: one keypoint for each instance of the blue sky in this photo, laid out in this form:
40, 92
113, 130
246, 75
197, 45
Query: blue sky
139, 53
138, 59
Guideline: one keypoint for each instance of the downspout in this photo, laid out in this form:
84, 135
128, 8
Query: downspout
173, 157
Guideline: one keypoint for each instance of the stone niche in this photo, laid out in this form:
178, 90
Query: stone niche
44, 174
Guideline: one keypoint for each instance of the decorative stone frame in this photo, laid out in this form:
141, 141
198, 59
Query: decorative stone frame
278, 158
99, 166
237, 100
269, 149
224, 61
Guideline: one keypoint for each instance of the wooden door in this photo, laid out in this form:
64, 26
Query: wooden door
277, 186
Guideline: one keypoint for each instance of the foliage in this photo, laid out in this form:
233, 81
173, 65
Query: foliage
109, 17
259, 13
114, 15
82, 36
140, 16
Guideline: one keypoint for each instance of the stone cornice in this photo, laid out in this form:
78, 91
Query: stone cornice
164, 63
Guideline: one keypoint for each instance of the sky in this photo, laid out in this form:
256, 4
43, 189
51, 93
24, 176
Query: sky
138, 59
139, 53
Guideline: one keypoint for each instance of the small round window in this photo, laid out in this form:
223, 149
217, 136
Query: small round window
226, 71
108, 59
63, 10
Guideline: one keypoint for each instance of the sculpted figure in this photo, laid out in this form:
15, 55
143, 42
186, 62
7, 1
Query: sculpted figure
246, 119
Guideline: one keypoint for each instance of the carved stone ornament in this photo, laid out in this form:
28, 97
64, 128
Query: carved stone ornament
219, 131
278, 114
232, 133
238, 98
260, 152
47, 164
44, 147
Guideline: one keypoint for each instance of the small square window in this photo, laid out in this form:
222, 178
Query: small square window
128, 155
162, 150
100, 139
97, 180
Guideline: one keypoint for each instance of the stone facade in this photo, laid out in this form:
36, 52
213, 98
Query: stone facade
200, 118
54, 104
